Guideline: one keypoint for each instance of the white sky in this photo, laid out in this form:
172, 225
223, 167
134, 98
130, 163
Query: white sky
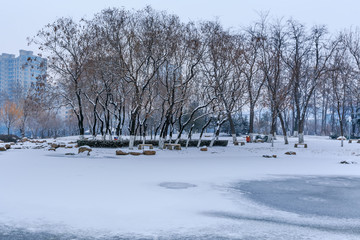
20, 19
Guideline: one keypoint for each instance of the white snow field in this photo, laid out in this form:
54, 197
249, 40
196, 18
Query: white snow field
225, 193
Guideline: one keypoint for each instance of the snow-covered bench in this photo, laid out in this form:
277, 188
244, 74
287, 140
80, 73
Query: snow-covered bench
300, 144
172, 146
141, 146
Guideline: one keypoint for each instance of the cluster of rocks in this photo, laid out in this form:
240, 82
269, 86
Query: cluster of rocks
347, 162
26, 143
5, 146
54, 146
145, 152
269, 156
20, 144
83, 149
25, 139
23, 143
275, 156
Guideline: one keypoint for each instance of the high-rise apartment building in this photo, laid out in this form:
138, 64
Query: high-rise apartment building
20, 72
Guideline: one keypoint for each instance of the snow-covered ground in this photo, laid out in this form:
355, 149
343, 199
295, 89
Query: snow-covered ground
225, 193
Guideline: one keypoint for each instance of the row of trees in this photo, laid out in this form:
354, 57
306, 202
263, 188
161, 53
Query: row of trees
22, 113
147, 73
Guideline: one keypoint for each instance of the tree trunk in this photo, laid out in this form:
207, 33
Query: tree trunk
301, 131
131, 142
80, 117
315, 115
283, 127
161, 142
232, 128
251, 122
144, 132
132, 129
94, 128
202, 132
163, 133
216, 134
323, 116
273, 123
189, 136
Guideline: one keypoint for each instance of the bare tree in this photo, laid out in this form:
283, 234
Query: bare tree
10, 114
68, 45
352, 41
341, 75
273, 42
222, 81
254, 77
307, 58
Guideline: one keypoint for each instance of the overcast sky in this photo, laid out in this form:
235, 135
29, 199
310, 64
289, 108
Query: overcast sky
20, 19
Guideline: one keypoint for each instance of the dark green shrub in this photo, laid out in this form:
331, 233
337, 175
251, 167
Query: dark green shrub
9, 138
125, 143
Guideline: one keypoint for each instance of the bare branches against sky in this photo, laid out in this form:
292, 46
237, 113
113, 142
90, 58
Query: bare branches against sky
20, 19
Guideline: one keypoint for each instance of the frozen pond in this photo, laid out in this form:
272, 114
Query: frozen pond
327, 205
314, 199
189, 194
336, 197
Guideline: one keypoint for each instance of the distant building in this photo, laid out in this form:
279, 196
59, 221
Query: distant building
18, 73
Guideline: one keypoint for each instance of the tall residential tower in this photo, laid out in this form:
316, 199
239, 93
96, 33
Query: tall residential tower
20, 72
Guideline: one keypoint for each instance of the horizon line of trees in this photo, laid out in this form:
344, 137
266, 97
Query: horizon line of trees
147, 73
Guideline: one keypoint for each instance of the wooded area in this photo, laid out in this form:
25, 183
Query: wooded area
148, 74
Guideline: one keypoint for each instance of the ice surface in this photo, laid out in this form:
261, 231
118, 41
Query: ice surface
176, 185
325, 196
